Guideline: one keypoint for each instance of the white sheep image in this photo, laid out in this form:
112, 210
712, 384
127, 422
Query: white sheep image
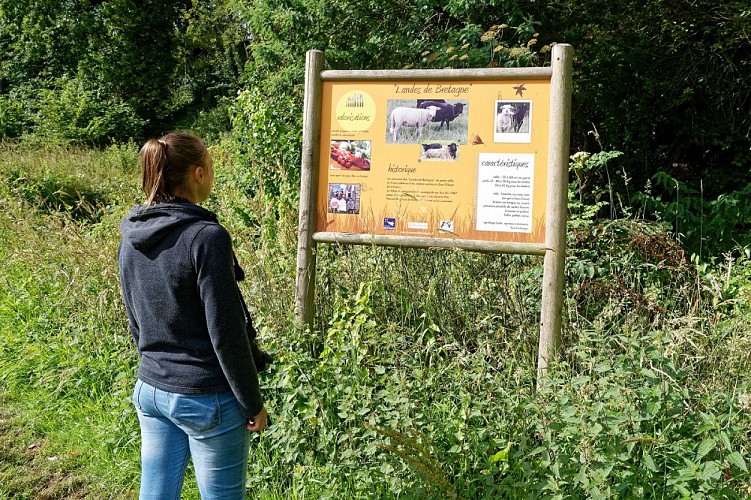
504, 121
410, 117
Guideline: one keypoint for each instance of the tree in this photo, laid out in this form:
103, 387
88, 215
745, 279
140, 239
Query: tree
138, 66
668, 82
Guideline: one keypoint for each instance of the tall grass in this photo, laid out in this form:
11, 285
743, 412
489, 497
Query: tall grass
66, 360
418, 379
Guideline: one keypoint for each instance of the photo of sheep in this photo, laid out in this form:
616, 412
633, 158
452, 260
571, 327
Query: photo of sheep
437, 151
513, 121
344, 199
349, 155
424, 121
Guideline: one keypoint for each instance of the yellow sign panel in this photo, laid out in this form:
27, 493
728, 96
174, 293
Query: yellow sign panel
462, 160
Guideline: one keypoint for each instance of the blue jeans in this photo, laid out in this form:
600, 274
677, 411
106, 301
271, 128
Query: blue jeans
209, 428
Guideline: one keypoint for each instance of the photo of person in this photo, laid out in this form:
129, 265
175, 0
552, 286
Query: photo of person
349, 155
513, 121
344, 199
415, 121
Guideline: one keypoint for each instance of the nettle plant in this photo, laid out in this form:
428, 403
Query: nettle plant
619, 417
590, 188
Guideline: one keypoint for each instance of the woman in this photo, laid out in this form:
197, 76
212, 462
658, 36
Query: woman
197, 392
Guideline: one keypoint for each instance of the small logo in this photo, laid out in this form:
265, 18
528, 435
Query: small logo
477, 140
417, 225
389, 223
446, 225
355, 100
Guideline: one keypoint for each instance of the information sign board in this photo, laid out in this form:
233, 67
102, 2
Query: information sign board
430, 159
472, 159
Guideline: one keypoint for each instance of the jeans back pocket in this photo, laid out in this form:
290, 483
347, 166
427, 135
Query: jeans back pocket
197, 413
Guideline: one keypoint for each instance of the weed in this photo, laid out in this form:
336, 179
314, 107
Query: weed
434, 348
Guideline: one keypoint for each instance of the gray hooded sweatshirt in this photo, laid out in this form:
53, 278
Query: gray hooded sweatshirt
183, 304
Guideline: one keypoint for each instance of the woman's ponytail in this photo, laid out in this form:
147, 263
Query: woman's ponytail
165, 163
153, 166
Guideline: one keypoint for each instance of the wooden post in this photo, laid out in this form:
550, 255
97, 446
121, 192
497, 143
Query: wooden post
306, 259
557, 208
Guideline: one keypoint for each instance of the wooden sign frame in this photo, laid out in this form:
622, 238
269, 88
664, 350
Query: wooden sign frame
553, 246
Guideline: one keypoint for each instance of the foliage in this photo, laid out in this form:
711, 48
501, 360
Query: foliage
500, 45
606, 423
704, 227
68, 112
589, 185
624, 265
623, 420
211, 55
76, 182
267, 139
414, 449
97, 72
63, 347
667, 82
419, 376
14, 115
379, 33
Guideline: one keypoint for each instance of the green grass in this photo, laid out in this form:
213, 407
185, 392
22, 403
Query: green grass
418, 380
65, 358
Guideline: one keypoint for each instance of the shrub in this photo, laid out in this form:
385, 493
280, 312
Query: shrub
267, 140
71, 113
704, 226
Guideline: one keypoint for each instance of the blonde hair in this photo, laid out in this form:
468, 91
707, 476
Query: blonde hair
165, 163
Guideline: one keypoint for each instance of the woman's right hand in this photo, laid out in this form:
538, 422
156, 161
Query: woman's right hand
258, 423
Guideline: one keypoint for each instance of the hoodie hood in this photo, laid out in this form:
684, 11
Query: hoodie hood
146, 226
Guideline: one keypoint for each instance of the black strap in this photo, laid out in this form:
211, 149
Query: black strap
240, 276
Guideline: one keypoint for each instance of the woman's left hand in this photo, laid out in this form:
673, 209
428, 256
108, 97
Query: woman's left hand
258, 423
